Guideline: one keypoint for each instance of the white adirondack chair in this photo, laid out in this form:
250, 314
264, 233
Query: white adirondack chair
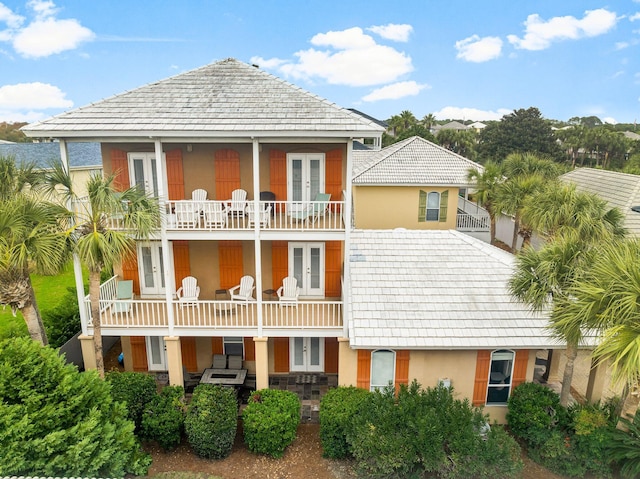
263, 215
199, 196
243, 291
238, 202
288, 293
189, 292
215, 215
187, 215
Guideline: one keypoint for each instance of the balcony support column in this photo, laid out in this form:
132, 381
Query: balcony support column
347, 364
256, 240
88, 352
262, 362
174, 360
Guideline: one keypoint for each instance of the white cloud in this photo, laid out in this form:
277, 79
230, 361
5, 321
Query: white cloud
621, 45
45, 35
634, 17
478, 50
451, 112
268, 64
15, 116
395, 91
539, 34
617, 74
349, 57
610, 120
38, 96
392, 31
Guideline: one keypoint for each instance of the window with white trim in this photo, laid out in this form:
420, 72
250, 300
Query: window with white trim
383, 368
500, 376
233, 345
432, 206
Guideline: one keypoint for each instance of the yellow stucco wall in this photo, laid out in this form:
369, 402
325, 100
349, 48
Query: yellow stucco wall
387, 207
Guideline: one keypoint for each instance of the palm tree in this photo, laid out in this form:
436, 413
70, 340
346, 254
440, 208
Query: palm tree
486, 183
31, 241
605, 301
105, 228
428, 121
575, 224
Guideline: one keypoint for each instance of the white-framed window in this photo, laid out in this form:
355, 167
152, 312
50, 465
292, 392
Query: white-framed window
432, 206
500, 376
233, 345
383, 369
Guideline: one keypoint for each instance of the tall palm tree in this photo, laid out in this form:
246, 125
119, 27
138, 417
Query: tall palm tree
428, 121
104, 232
31, 241
575, 225
486, 183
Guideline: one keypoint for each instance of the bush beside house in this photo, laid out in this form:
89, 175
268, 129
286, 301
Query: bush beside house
270, 421
136, 390
337, 409
56, 421
163, 418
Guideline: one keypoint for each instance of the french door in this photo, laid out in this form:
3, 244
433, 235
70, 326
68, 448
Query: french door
306, 263
151, 269
307, 354
143, 166
156, 353
305, 177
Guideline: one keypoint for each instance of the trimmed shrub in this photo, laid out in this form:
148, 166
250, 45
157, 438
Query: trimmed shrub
337, 409
535, 413
56, 421
271, 421
136, 390
63, 321
212, 420
163, 418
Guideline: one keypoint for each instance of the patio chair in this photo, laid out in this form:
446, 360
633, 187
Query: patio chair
219, 361
263, 215
124, 297
235, 361
215, 215
288, 293
238, 202
191, 380
199, 196
189, 292
243, 291
315, 210
187, 216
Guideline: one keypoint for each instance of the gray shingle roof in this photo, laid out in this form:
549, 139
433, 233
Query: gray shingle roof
42, 154
620, 190
414, 161
435, 289
228, 97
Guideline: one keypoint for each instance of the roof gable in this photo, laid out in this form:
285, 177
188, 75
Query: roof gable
228, 97
414, 161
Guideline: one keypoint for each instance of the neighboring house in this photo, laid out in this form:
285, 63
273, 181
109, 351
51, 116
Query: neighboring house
619, 190
372, 306
84, 158
452, 125
416, 184
477, 125
631, 135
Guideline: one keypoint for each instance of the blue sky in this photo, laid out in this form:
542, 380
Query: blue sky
457, 59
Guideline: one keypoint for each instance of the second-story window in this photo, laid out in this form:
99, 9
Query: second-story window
433, 206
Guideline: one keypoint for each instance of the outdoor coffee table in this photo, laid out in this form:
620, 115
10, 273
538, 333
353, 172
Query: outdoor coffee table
224, 377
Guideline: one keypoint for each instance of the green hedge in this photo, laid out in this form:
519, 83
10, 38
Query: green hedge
271, 421
337, 409
163, 418
212, 421
55, 421
136, 390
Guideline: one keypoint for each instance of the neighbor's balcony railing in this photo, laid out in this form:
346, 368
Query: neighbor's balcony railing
471, 217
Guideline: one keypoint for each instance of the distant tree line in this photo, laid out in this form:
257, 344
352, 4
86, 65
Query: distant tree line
11, 132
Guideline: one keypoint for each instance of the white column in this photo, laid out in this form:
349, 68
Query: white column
77, 266
346, 300
169, 280
257, 243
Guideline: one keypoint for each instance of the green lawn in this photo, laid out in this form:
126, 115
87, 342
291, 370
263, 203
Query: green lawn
50, 290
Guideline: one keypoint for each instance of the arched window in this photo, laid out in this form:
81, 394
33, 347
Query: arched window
500, 374
383, 368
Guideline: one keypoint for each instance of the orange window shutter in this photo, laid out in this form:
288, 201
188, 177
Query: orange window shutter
333, 174
279, 262
175, 175
189, 358
332, 269
227, 171
130, 271
181, 264
230, 262
402, 369
139, 353
281, 355
120, 168
331, 355
278, 174
364, 369
520, 368
216, 346
249, 349
482, 378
